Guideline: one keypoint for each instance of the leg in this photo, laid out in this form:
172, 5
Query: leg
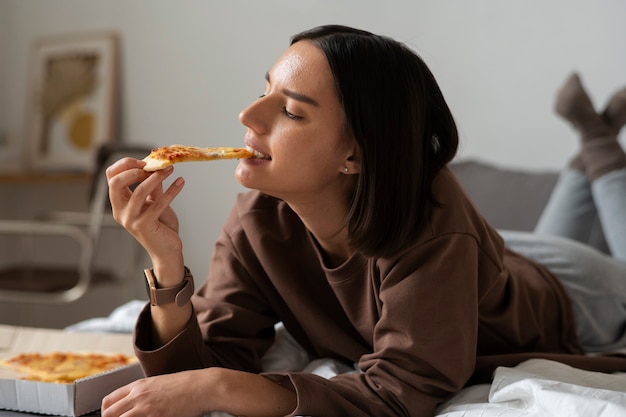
607, 162
595, 282
609, 193
570, 211
601, 158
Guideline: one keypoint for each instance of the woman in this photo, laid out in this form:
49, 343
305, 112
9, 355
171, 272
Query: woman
357, 237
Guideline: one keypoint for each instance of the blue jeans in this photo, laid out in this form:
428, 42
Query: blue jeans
595, 281
576, 206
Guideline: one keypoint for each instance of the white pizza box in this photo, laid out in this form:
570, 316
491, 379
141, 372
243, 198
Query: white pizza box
79, 398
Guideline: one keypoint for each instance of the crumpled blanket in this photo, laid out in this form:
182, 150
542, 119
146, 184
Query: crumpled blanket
540, 388
121, 320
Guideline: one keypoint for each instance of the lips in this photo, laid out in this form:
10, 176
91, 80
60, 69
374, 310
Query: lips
258, 155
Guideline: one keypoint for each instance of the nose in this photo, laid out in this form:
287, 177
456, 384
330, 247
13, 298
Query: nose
252, 118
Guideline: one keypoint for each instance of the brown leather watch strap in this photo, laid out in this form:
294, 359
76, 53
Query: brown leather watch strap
179, 294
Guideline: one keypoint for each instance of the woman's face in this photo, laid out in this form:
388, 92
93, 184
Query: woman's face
300, 126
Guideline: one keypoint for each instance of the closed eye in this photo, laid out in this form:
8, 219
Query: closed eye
291, 115
286, 112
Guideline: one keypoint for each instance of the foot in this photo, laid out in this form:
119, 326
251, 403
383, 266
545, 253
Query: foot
615, 112
574, 105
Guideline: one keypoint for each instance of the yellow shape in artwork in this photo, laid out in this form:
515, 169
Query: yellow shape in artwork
81, 129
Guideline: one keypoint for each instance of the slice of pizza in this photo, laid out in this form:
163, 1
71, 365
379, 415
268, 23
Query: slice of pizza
165, 156
64, 367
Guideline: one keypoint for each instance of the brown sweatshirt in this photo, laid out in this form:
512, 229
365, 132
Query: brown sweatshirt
419, 325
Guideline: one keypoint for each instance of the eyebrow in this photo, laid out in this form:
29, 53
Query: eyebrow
294, 95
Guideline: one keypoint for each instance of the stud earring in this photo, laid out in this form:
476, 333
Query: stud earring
345, 170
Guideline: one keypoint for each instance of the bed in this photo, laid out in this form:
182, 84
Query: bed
535, 388
509, 199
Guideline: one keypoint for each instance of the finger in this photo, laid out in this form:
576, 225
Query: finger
115, 403
159, 204
120, 183
148, 198
171, 192
125, 173
158, 191
152, 187
123, 164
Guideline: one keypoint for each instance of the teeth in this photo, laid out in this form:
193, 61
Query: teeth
257, 154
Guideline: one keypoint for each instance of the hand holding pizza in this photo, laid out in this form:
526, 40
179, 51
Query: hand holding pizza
146, 212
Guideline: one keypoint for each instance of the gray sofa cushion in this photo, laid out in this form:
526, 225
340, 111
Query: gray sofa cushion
513, 199
507, 198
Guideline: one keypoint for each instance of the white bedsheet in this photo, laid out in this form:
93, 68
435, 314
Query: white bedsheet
535, 388
539, 388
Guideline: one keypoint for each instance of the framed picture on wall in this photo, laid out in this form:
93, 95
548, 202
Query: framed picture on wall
72, 100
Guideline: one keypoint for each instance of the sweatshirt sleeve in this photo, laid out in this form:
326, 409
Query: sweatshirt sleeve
232, 325
184, 352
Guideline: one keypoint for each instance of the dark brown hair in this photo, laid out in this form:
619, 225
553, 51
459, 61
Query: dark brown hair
404, 129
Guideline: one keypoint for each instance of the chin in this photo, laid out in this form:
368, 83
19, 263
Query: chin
245, 177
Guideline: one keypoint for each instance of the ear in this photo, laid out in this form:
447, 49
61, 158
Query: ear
353, 161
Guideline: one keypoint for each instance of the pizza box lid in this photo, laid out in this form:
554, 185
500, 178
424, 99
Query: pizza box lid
83, 396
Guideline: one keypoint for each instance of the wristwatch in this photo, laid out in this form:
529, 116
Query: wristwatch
179, 294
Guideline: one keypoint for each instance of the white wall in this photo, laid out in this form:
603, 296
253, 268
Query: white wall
188, 67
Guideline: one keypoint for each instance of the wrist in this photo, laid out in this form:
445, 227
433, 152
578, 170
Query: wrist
214, 389
168, 275
249, 394
160, 294
221, 389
